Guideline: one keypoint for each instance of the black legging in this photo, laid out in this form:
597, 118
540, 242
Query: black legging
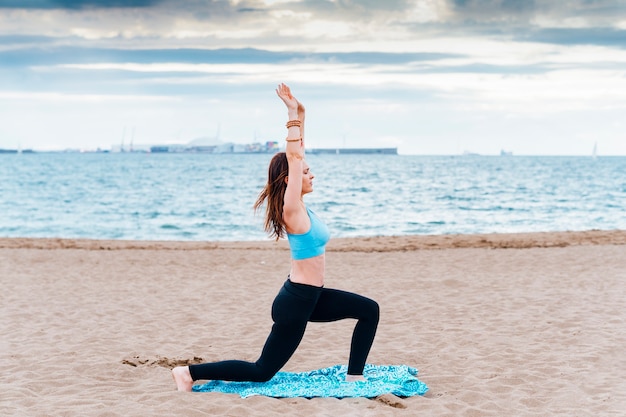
294, 306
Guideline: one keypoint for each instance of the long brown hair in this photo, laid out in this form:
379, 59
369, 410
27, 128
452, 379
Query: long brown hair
274, 193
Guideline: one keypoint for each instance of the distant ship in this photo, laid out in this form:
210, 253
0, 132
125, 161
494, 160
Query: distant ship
594, 153
352, 151
506, 153
17, 151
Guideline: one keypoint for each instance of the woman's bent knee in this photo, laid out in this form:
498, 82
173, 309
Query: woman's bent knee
372, 312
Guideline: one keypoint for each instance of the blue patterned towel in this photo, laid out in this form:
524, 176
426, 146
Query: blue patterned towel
400, 380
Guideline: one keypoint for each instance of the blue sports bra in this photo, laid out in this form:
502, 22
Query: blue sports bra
312, 243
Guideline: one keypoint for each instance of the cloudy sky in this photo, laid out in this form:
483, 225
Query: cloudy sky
539, 77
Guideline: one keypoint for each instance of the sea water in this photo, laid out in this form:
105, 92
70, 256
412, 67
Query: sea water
199, 197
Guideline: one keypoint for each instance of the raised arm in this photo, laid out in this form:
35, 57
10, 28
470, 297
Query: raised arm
294, 211
295, 124
301, 118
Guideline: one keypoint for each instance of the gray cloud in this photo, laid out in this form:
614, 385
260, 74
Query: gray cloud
529, 21
75, 4
41, 69
360, 5
577, 36
511, 19
25, 57
595, 12
600, 36
489, 10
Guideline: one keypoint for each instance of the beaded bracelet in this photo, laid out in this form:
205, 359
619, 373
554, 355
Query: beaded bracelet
293, 123
294, 140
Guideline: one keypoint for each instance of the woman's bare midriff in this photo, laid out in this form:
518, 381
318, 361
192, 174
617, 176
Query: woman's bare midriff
308, 271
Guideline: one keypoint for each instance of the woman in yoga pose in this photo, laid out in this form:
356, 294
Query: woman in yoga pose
303, 297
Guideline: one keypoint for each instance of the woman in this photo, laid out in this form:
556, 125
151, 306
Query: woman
303, 297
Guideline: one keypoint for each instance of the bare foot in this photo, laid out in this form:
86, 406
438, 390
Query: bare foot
182, 377
354, 378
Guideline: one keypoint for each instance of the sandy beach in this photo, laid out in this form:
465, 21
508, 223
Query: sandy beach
498, 325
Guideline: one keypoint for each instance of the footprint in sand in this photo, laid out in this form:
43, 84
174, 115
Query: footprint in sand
391, 400
138, 360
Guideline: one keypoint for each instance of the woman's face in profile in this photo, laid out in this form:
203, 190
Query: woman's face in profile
307, 178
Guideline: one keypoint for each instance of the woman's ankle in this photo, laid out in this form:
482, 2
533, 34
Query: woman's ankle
182, 378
